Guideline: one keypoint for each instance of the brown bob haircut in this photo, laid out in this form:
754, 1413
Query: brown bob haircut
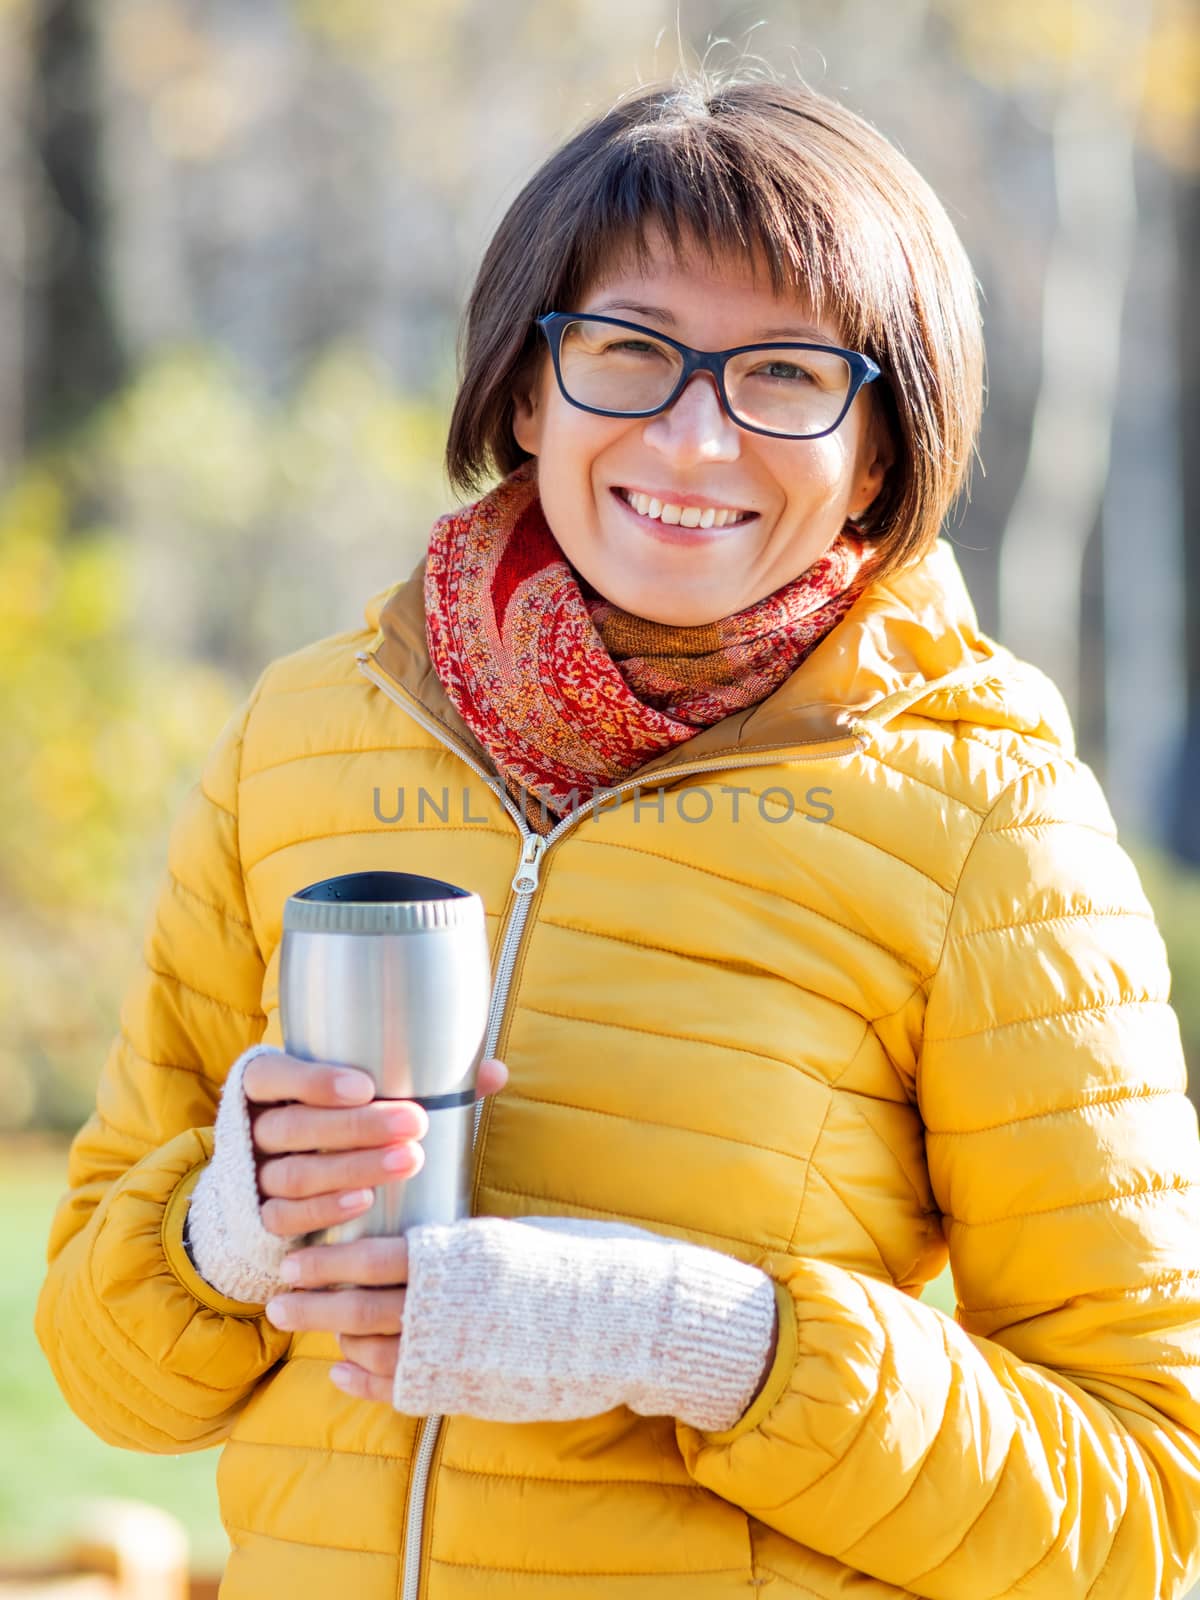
791, 178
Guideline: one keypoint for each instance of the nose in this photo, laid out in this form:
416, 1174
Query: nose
695, 427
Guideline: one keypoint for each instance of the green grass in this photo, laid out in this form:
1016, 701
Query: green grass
50, 1463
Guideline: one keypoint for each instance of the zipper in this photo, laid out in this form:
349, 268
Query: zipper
525, 884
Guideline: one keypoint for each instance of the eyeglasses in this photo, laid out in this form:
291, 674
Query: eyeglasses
790, 391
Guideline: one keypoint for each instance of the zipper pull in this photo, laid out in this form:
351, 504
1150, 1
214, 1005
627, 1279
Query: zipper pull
532, 851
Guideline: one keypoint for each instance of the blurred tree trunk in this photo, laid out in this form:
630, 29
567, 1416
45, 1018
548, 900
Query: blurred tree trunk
14, 243
1185, 830
1055, 512
72, 359
1134, 662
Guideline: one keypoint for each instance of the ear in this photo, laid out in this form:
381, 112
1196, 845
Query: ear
527, 418
877, 455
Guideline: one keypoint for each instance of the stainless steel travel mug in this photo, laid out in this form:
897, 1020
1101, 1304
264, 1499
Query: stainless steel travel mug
389, 972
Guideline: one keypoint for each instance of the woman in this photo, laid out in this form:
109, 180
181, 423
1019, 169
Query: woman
816, 960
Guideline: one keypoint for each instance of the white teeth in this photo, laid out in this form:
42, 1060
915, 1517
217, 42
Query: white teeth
685, 516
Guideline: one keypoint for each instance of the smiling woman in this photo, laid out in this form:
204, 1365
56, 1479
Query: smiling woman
747, 1083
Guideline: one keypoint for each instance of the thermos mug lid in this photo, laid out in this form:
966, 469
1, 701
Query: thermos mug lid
380, 902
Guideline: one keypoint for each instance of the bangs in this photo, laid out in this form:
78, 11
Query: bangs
713, 184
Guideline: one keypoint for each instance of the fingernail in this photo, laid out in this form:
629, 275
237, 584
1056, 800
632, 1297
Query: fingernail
352, 1085
278, 1311
342, 1376
399, 1160
289, 1271
354, 1198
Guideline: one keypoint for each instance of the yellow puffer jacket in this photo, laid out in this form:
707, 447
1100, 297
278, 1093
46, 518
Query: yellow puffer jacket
844, 981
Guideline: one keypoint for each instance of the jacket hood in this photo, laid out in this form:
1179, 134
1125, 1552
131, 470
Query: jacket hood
911, 644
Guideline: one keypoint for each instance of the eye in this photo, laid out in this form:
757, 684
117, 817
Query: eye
785, 372
635, 347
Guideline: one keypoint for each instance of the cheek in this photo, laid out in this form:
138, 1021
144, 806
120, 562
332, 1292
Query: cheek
818, 470
578, 449
565, 478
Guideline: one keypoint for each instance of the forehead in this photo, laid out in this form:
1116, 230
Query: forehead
703, 285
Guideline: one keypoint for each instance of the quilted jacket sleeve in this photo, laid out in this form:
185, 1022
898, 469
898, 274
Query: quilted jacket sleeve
145, 1352
1046, 1441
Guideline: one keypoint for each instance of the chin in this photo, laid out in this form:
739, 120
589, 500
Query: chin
643, 594
672, 615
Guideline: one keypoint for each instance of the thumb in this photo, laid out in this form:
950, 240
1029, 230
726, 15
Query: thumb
491, 1078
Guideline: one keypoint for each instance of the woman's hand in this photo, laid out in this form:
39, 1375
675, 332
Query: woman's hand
321, 1142
538, 1319
367, 1320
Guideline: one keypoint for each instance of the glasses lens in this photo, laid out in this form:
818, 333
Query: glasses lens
615, 369
788, 391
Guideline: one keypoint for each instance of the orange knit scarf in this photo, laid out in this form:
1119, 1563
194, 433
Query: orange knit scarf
568, 693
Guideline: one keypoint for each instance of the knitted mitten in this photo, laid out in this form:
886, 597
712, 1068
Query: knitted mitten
223, 1232
549, 1318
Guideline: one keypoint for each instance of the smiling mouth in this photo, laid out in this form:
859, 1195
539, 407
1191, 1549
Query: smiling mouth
673, 514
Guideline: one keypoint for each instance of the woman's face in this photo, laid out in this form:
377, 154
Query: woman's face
800, 491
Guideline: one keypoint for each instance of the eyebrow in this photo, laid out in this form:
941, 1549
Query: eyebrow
796, 331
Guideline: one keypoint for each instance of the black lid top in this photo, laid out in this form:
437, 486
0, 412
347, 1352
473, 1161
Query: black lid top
380, 902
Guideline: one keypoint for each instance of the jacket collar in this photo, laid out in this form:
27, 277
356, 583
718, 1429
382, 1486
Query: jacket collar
911, 644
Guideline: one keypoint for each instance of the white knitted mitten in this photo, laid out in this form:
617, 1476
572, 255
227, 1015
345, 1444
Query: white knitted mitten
549, 1318
223, 1233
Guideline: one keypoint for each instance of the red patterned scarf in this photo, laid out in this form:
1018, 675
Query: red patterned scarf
568, 693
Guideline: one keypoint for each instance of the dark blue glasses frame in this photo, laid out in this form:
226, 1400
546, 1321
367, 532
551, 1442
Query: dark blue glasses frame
862, 369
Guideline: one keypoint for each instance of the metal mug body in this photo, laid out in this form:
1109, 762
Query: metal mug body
390, 972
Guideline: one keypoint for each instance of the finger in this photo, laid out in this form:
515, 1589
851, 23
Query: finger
276, 1076
339, 1311
299, 1127
301, 1177
371, 1262
363, 1385
491, 1077
374, 1353
289, 1218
